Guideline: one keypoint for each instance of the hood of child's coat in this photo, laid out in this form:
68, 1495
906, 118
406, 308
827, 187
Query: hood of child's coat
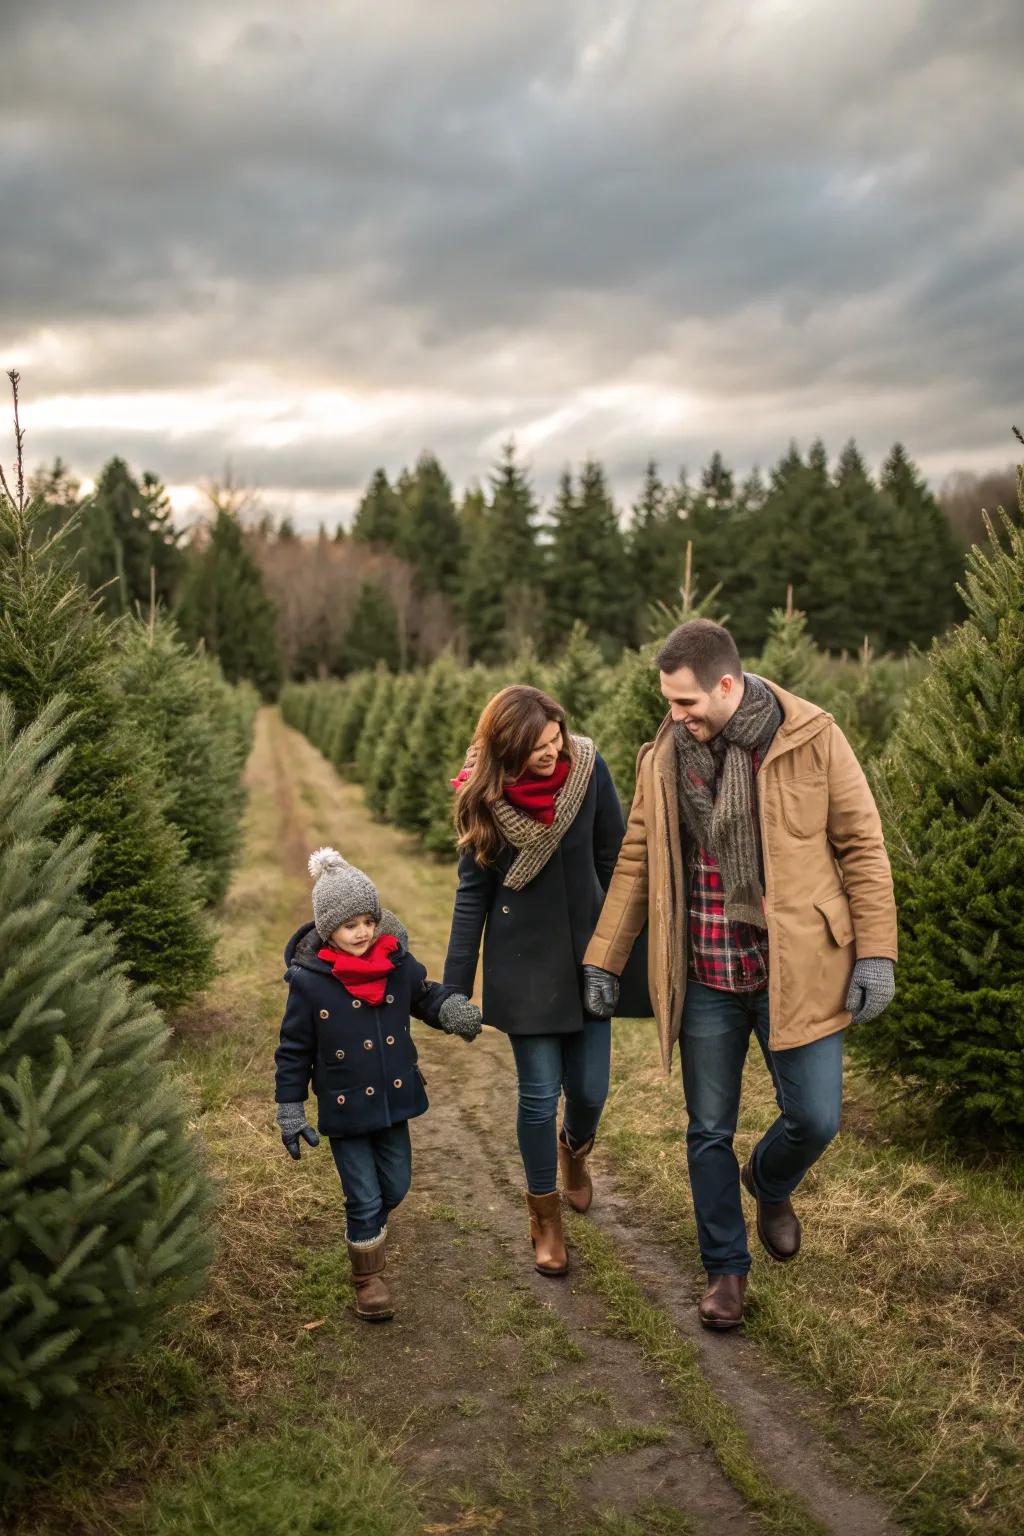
303, 946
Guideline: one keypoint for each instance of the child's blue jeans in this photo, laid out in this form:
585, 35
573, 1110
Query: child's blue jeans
375, 1171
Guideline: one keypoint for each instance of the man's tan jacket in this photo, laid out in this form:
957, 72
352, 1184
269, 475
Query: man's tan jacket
828, 887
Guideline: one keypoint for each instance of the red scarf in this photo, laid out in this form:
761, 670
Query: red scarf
365, 976
537, 796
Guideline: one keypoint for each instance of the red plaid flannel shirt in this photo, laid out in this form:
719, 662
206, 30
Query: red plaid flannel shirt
731, 957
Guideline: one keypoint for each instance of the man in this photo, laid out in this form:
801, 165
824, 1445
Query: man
755, 851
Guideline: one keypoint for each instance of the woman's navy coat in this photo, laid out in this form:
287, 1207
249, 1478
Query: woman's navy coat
534, 939
362, 1059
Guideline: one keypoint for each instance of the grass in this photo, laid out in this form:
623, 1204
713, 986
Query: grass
906, 1308
675, 1360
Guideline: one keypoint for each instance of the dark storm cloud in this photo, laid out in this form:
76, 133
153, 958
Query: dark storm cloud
785, 218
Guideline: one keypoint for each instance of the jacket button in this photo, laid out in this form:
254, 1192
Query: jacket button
369, 1093
398, 1082
391, 1039
389, 998
505, 910
324, 1014
356, 1003
340, 1055
341, 1098
367, 1045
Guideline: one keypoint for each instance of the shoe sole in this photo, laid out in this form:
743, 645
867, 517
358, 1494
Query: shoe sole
720, 1327
773, 1253
552, 1274
375, 1317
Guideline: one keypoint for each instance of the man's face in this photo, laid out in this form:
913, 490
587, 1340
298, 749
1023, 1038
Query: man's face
703, 713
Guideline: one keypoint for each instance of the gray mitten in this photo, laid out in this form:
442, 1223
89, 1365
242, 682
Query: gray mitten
600, 991
292, 1120
872, 989
459, 1016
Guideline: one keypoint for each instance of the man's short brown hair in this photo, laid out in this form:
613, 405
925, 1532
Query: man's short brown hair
703, 646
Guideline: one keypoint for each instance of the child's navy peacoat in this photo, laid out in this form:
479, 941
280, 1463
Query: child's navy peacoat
362, 1059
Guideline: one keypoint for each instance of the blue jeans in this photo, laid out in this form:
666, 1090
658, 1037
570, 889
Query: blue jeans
376, 1171
545, 1064
808, 1090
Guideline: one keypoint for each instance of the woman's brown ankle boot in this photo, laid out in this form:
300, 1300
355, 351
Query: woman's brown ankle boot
550, 1257
577, 1185
373, 1299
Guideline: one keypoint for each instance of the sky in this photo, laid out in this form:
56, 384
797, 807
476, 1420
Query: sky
305, 240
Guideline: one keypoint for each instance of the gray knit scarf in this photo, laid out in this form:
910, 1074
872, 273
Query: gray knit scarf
725, 823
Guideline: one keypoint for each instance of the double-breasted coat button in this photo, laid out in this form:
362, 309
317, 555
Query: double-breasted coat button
505, 910
356, 1003
367, 1045
341, 1098
324, 1014
340, 1055
369, 1093
389, 998
391, 1040
398, 1082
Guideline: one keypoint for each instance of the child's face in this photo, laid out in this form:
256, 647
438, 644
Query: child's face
355, 936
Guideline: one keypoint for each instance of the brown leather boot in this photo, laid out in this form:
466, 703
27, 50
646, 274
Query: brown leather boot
721, 1306
577, 1185
778, 1225
373, 1300
550, 1257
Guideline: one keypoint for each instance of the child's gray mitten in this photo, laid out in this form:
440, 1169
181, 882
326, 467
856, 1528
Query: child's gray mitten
292, 1120
458, 1016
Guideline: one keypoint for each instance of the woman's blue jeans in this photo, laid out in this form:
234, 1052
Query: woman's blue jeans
545, 1065
808, 1083
376, 1171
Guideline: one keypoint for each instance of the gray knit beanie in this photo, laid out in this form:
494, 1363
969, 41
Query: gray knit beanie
341, 892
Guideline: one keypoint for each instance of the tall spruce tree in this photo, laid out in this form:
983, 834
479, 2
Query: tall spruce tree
921, 555
842, 593
53, 644
588, 575
429, 535
579, 678
655, 546
951, 792
499, 596
125, 531
102, 1207
372, 634
378, 513
224, 604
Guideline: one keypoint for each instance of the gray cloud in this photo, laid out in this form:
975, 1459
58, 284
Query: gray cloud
609, 225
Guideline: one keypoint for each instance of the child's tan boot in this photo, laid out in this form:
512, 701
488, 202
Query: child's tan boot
373, 1300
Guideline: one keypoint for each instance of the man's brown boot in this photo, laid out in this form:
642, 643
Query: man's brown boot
576, 1182
721, 1306
778, 1225
373, 1300
550, 1257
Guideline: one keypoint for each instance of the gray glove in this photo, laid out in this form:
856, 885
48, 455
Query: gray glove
600, 991
292, 1120
459, 1016
872, 989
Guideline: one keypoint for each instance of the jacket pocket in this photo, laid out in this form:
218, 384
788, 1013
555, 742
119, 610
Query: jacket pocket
836, 912
805, 804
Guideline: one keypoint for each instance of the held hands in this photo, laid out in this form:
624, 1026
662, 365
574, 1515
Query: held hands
872, 989
459, 1016
600, 991
292, 1120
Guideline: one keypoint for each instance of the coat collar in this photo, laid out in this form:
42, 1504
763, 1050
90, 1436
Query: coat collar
304, 943
801, 720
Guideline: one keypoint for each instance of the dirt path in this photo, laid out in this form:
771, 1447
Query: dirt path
520, 1406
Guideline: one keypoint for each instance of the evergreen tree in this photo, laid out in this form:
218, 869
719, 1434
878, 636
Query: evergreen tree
579, 678
844, 579
473, 687
378, 513
655, 545
376, 717
52, 643
784, 543
372, 634
588, 573
429, 536
102, 1208
499, 596
182, 706
125, 530
951, 792
791, 658
921, 557
348, 717
381, 776
420, 757
224, 604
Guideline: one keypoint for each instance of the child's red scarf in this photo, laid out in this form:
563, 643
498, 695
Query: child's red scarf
537, 796
365, 976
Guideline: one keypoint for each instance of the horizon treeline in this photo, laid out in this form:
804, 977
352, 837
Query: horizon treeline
866, 557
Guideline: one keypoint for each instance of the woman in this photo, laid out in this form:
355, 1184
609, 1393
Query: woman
539, 827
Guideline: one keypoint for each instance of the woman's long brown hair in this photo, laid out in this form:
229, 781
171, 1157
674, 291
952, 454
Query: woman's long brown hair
505, 736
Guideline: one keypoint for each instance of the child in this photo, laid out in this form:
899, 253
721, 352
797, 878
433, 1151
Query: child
352, 985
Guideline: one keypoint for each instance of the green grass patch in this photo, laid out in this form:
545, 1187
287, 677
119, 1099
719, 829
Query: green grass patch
598, 1444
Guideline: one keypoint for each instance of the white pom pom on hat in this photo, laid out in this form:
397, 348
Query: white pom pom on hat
323, 859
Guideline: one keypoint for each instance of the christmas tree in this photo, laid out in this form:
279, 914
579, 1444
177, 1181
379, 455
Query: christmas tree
224, 604
420, 756
951, 792
102, 1208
